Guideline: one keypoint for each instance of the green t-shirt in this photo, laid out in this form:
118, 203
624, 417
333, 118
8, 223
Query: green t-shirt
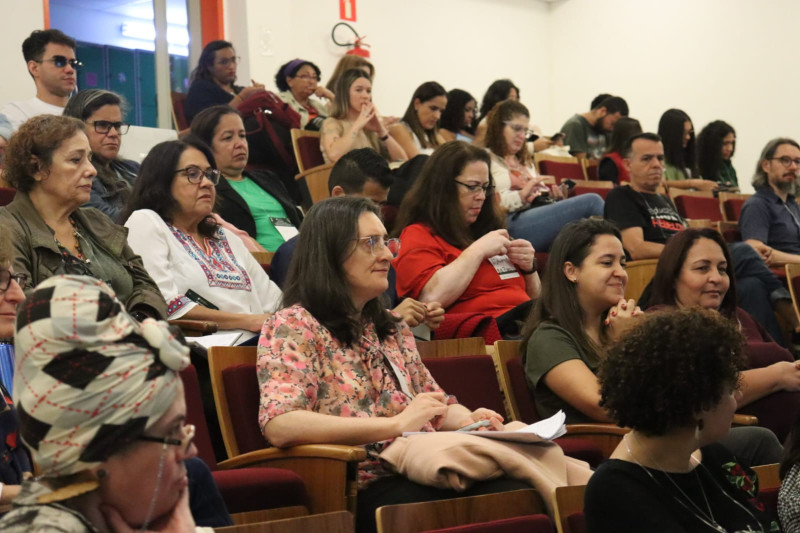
263, 206
549, 346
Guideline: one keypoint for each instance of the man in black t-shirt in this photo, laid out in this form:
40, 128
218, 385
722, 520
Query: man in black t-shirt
646, 219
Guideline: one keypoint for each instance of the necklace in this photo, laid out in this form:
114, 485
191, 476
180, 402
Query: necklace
707, 519
64, 250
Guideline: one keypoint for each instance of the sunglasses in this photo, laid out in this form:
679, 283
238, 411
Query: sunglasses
62, 61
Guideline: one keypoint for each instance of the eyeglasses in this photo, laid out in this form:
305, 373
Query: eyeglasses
104, 126
519, 128
478, 188
228, 60
306, 77
185, 442
62, 61
786, 161
377, 243
5, 280
196, 174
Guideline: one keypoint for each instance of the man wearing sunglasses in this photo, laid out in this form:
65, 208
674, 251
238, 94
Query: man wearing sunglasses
50, 57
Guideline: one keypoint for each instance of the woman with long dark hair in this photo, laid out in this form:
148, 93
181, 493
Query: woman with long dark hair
418, 131
498, 91
677, 135
716, 145
458, 118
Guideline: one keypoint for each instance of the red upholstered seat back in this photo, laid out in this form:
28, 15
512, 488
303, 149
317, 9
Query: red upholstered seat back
241, 388
561, 171
310, 152
577, 523
471, 378
733, 208
591, 172
582, 189
194, 415
6, 195
537, 523
521, 392
698, 207
769, 497
178, 103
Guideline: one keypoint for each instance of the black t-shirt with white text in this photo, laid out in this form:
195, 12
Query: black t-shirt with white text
654, 213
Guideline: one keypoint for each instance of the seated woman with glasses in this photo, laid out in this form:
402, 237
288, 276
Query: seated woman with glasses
48, 162
418, 131
212, 82
536, 212
118, 461
455, 248
204, 271
103, 112
298, 81
253, 201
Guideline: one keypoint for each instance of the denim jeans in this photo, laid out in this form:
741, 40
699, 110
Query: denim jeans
540, 225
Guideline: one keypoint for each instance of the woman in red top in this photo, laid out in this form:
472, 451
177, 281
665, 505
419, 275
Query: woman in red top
611, 167
455, 249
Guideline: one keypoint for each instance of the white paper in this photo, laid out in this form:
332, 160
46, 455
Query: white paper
542, 431
218, 339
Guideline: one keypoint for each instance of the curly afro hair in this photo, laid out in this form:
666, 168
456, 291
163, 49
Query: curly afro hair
669, 367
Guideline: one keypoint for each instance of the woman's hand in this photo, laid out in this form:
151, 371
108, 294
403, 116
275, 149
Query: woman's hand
493, 243
412, 312
704, 185
375, 124
530, 191
434, 314
521, 253
322, 92
247, 92
364, 118
620, 317
790, 375
178, 521
495, 420
422, 409
254, 323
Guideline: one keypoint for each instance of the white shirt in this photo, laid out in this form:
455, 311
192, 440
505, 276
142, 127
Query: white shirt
19, 112
228, 277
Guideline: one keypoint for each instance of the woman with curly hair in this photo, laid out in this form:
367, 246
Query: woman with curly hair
677, 134
693, 271
673, 379
418, 130
536, 212
715, 147
458, 118
298, 82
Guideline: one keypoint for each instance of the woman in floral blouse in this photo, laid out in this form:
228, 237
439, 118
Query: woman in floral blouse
335, 367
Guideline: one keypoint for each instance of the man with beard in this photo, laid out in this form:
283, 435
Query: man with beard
771, 216
50, 55
586, 132
648, 219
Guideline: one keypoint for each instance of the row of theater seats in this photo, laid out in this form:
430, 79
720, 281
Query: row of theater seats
320, 479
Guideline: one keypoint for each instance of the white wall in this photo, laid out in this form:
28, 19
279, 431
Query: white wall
463, 44
714, 59
19, 20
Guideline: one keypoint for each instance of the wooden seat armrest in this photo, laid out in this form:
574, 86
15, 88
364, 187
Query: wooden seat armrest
744, 420
328, 471
195, 328
605, 436
699, 223
333, 452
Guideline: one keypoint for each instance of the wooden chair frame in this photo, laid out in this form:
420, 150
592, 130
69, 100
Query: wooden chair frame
569, 500
640, 273
336, 522
724, 196
316, 180
427, 516
328, 470
451, 347
298, 134
598, 184
586, 163
194, 328
793, 270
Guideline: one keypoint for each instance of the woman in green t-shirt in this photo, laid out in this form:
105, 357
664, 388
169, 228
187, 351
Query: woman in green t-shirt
715, 147
256, 202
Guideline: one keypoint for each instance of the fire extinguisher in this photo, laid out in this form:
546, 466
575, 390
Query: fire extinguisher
357, 46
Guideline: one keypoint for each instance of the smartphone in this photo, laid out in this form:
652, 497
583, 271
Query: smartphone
557, 136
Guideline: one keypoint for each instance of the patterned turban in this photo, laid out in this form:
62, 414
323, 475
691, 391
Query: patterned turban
90, 379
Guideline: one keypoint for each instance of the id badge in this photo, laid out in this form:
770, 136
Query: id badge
504, 267
284, 227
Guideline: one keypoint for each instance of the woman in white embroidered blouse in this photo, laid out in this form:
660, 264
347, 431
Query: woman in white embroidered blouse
203, 271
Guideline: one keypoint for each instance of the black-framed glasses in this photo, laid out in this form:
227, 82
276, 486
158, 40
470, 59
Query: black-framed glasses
196, 174
228, 60
62, 61
104, 126
185, 442
376, 243
519, 128
477, 188
786, 161
5, 280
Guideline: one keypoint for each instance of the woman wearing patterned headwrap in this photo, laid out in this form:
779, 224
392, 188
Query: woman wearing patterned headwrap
101, 408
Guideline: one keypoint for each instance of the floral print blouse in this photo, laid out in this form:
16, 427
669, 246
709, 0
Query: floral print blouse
302, 366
